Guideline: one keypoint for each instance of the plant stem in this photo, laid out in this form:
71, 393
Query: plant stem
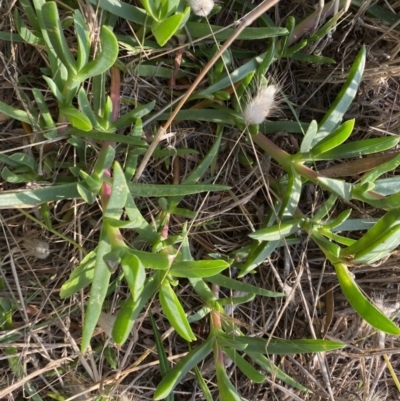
278, 154
215, 315
115, 92
287, 162
105, 191
216, 327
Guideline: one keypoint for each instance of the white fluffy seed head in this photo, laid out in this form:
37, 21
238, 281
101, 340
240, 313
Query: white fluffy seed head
261, 106
201, 7
36, 247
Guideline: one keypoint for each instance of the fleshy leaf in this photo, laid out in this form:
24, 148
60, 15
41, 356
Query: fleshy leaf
174, 312
174, 376
370, 313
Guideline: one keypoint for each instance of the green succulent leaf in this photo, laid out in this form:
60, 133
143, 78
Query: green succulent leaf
198, 269
175, 375
333, 140
85, 193
124, 10
22, 159
378, 171
343, 100
55, 90
172, 190
203, 290
106, 136
164, 30
292, 195
76, 118
339, 220
130, 117
135, 275
33, 197
30, 14
118, 196
17, 178
156, 261
162, 355
295, 49
278, 231
93, 184
237, 75
52, 23
174, 312
98, 291
104, 59
83, 38
202, 385
382, 13
86, 109
12, 161
387, 203
227, 391
108, 236
169, 7
338, 187
16, 114
330, 249
104, 161
277, 373
309, 137
389, 221
257, 255
252, 373
236, 300
283, 43
370, 313
51, 132
199, 30
359, 148
152, 8
325, 208
388, 186
27, 35
268, 59
80, 277
130, 310
380, 248
275, 346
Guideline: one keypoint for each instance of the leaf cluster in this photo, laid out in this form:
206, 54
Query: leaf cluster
153, 265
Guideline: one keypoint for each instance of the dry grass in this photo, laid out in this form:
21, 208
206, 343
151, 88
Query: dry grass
46, 330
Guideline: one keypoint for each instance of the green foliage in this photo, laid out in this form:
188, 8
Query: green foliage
151, 266
361, 304
326, 142
174, 312
164, 364
174, 376
343, 100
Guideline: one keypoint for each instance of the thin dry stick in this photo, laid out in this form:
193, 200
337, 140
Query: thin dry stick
244, 22
52, 365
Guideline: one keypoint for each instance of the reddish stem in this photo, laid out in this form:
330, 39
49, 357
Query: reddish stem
216, 326
286, 161
106, 189
115, 91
